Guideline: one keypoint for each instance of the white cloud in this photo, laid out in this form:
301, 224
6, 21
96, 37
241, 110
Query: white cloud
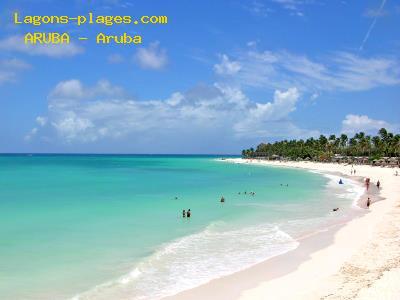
377, 13
115, 58
10, 68
16, 43
72, 127
226, 66
152, 57
68, 89
41, 121
314, 96
341, 71
262, 116
360, 73
294, 6
71, 91
31, 134
356, 123
81, 114
258, 8
175, 99
252, 44
265, 8
374, 13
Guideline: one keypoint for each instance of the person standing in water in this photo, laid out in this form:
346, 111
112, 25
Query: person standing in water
378, 184
368, 202
188, 213
222, 199
184, 214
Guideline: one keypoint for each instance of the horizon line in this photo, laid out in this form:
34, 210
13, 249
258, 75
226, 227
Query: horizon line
112, 153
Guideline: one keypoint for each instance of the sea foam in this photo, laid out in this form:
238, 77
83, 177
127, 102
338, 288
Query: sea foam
194, 260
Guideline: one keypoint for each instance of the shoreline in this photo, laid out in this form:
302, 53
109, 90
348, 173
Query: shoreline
307, 270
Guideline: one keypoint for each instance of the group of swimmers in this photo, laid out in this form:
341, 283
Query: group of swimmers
245, 193
186, 214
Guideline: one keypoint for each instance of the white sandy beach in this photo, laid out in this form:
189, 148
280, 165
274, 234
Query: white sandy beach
360, 260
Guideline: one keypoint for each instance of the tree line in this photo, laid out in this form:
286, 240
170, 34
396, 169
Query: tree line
384, 144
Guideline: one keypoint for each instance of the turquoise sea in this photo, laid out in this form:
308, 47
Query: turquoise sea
111, 226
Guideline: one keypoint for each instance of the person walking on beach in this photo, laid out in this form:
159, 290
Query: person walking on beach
188, 213
368, 202
367, 180
184, 214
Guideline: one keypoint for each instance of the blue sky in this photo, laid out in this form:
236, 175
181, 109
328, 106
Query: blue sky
219, 77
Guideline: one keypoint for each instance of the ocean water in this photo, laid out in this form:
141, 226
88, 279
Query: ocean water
110, 226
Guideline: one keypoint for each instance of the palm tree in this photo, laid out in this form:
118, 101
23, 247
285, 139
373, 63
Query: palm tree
383, 133
396, 145
377, 143
331, 143
363, 145
353, 146
343, 142
322, 142
384, 137
384, 144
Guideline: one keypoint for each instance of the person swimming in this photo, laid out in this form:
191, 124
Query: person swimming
335, 209
188, 214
